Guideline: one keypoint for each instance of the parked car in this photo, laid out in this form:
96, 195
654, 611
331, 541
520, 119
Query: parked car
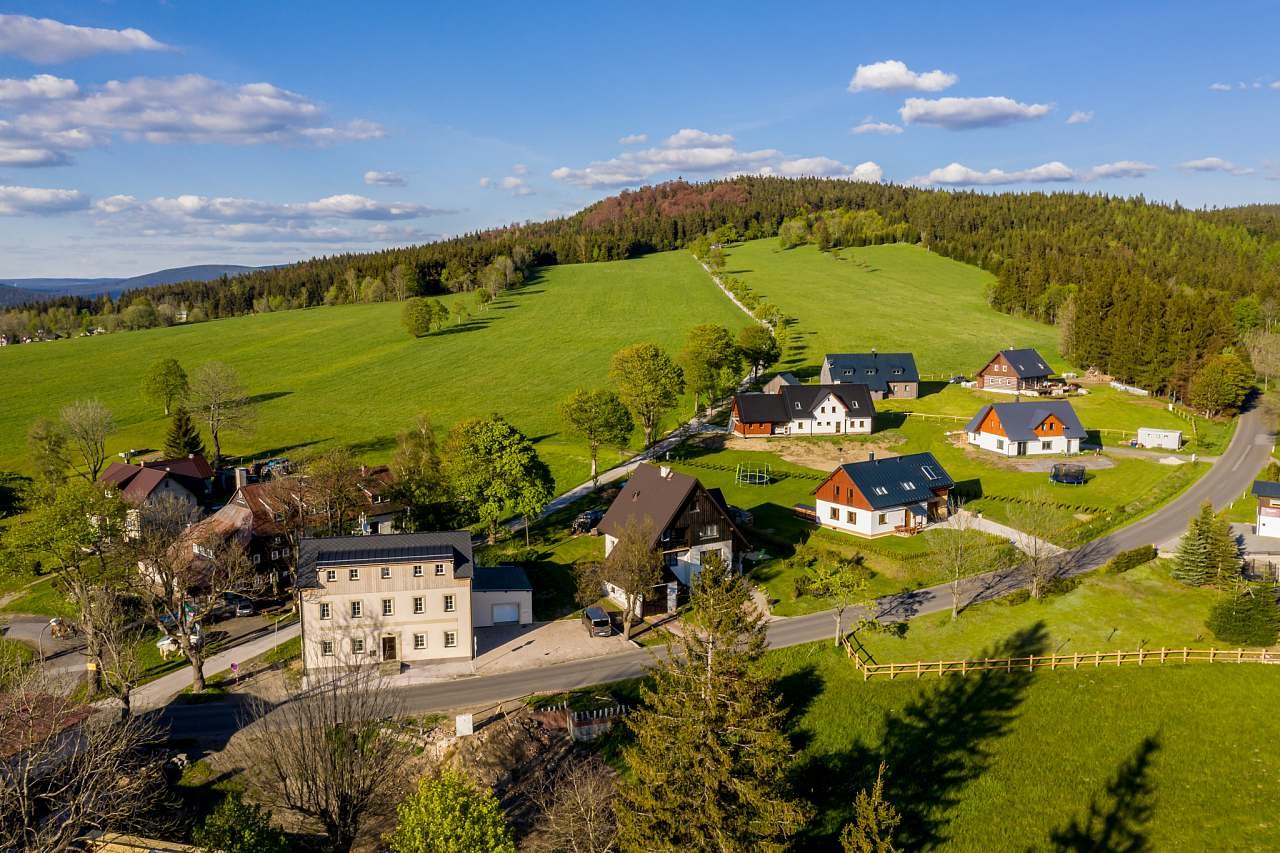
168, 644
245, 607
741, 517
586, 521
170, 620
958, 380
598, 622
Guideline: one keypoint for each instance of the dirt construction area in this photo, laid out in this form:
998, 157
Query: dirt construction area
821, 453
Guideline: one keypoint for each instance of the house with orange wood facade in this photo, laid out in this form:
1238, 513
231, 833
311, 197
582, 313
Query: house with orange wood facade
1027, 429
899, 495
1014, 371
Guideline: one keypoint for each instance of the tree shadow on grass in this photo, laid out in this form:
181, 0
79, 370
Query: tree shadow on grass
376, 444
1118, 819
933, 748
461, 328
268, 396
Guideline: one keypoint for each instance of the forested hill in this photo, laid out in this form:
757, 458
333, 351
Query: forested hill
1144, 291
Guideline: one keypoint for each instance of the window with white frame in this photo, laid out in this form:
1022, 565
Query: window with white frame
326, 610
331, 575
450, 639
388, 607
419, 642
275, 555
999, 444
386, 573
835, 513
357, 609
417, 571
1046, 445
326, 648
439, 569
357, 645
418, 605
851, 517
710, 531
257, 558
448, 604
882, 518
353, 574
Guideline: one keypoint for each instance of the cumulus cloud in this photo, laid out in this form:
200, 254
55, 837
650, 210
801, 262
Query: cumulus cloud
375, 178
39, 87
1080, 117
1214, 164
1220, 87
959, 175
46, 40
17, 201
894, 74
232, 209
869, 125
690, 138
485, 183
633, 139
824, 167
968, 113
515, 183
519, 169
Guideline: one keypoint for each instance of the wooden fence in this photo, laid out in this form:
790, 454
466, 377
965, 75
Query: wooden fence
1031, 663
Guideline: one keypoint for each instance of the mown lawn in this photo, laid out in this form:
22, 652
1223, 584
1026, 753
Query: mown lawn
40, 599
894, 298
351, 375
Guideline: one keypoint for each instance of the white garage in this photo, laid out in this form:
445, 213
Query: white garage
501, 595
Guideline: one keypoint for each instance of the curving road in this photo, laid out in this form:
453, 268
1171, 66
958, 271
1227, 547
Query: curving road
1233, 472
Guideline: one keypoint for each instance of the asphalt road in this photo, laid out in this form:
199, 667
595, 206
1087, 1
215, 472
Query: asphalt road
1229, 477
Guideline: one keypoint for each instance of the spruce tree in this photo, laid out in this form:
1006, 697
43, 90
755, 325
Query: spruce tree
1196, 562
709, 762
1225, 550
874, 820
183, 438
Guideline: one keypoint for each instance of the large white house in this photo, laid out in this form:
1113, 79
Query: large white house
898, 494
1268, 517
794, 409
412, 597
1027, 429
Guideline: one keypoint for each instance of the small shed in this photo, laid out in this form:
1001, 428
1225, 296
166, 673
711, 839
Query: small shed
1165, 439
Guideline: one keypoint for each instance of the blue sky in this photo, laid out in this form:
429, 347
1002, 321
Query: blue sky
140, 135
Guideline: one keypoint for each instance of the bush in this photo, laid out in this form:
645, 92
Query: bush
804, 585
1126, 560
1018, 596
236, 826
521, 556
1061, 586
1248, 619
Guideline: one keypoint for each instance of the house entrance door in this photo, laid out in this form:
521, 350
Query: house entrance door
388, 648
1022, 448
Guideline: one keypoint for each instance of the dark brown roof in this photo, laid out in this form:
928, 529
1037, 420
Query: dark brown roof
651, 494
193, 467
135, 482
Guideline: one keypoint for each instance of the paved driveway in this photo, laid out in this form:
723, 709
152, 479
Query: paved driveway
505, 648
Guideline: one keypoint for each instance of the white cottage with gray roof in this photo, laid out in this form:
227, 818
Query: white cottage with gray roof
1034, 428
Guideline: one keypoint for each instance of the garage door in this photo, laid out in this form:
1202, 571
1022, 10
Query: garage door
505, 614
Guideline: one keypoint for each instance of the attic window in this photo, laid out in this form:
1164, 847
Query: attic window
848, 373
853, 404
880, 490
930, 473
870, 371
908, 485
797, 406
897, 371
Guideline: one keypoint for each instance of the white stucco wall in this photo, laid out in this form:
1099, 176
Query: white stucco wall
483, 601
1000, 444
866, 522
1268, 525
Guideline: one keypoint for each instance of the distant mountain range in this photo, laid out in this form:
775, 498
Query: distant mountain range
15, 291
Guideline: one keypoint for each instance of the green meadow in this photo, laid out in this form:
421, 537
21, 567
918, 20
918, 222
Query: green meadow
894, 298
351, 375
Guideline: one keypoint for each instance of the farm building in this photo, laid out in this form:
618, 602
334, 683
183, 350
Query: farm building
804, 410
886, 374
1012, 371
1027, 429
900, 494
1268, 518
1167, 439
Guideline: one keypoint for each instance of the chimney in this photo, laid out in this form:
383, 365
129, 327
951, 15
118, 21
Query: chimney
873, 352
242, 477
871, 456
664, 471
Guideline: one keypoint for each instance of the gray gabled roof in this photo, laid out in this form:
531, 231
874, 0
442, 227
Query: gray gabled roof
1019, 420
874, 369
500, 578
800, 401
898, 480
323, 552
1266, 489
1026, 363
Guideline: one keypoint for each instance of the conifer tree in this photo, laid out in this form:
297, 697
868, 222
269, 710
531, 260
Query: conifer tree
183, 438
1225, 550
1196, 562
874, 820
709, 762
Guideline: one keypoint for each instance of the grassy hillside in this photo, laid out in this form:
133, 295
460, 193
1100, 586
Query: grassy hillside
893, 298
351, 375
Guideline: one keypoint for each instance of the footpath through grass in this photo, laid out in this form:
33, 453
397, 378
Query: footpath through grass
352, 375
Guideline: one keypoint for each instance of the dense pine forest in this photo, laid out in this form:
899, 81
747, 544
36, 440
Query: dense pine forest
1143, 291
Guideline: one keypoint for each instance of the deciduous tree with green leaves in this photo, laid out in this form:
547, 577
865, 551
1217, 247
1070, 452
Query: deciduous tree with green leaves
709, 761
183, 438
494, 469
634, 566
600, 418
709, 360
165, 383
450, 814
759, 347
239, 826
842, 581
420, 482
649, 383
47, 449
88, 424
1221, 385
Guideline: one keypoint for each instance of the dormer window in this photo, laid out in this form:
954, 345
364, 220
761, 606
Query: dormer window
848, 373
880, 490
870, 371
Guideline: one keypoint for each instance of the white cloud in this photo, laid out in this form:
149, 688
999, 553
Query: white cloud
879, 127
633, 139
515, 185
244, 210
15, 201
894, 74
519, 169
1220, 87
190, 108
46, 40
690, 138
39, 87
1120, 169
485, 183
384, 179
1080, 117
967, 113
1214, 164
824, 167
